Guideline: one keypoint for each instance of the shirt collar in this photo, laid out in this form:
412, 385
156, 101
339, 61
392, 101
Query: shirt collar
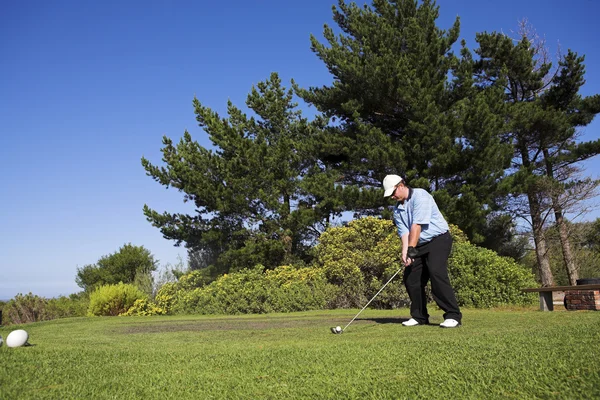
410, 192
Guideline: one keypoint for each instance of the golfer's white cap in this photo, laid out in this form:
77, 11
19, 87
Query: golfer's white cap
389, 184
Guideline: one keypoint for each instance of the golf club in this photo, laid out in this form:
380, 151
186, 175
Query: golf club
337, 329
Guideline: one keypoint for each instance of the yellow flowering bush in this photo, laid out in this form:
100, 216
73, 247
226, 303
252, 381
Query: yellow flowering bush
194, 279
167, 297
144, 307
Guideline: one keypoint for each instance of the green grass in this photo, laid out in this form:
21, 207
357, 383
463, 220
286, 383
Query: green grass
496, 354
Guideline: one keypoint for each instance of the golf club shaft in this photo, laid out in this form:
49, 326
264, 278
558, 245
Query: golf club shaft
373, 298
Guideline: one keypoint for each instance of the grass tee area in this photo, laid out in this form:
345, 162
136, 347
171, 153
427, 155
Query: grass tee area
502, 353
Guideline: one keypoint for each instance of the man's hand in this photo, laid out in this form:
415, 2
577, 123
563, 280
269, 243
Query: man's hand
411, 254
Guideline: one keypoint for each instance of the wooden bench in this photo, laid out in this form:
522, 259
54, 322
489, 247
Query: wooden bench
546, 303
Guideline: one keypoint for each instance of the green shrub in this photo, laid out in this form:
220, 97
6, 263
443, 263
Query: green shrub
24, 309
28, 308
74, 305
458, 236
299, 289
283, 289
362, 256
359, 258
169, 296
112, 300
481, 278
352, 264
245, 291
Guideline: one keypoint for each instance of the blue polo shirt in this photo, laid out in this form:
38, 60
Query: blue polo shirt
420, 208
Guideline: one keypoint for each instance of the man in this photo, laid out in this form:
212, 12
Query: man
426, 244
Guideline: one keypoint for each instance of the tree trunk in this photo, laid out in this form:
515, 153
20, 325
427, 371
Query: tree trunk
286, 239
541, 247
563, 230
537, 222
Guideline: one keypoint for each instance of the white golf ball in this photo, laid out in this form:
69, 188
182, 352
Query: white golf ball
17, 338
338, 328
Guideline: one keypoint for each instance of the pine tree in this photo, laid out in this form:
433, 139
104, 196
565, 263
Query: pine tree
512, 66
567, 110
396, 110
542, 115
471, 193
261, 196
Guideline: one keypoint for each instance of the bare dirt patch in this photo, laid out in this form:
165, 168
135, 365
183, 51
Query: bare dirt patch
224, 324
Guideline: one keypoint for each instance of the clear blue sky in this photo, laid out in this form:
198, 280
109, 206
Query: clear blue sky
87, 88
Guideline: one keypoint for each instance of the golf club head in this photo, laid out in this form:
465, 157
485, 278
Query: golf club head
336, 330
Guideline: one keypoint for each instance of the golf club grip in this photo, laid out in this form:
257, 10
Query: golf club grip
373, 298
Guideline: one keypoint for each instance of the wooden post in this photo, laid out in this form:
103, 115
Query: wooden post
546, 302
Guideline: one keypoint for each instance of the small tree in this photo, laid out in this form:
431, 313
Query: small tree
121, 266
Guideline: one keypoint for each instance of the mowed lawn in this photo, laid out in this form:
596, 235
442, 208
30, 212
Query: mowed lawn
496, 354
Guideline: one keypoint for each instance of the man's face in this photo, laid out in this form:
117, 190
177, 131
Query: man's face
399, 193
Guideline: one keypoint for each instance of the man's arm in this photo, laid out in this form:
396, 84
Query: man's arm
404, 248
414, 235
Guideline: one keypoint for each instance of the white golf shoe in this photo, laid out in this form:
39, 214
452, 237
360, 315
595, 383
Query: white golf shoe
411, 322
450, 323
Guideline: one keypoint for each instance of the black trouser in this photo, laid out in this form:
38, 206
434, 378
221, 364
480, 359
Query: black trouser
431, 264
